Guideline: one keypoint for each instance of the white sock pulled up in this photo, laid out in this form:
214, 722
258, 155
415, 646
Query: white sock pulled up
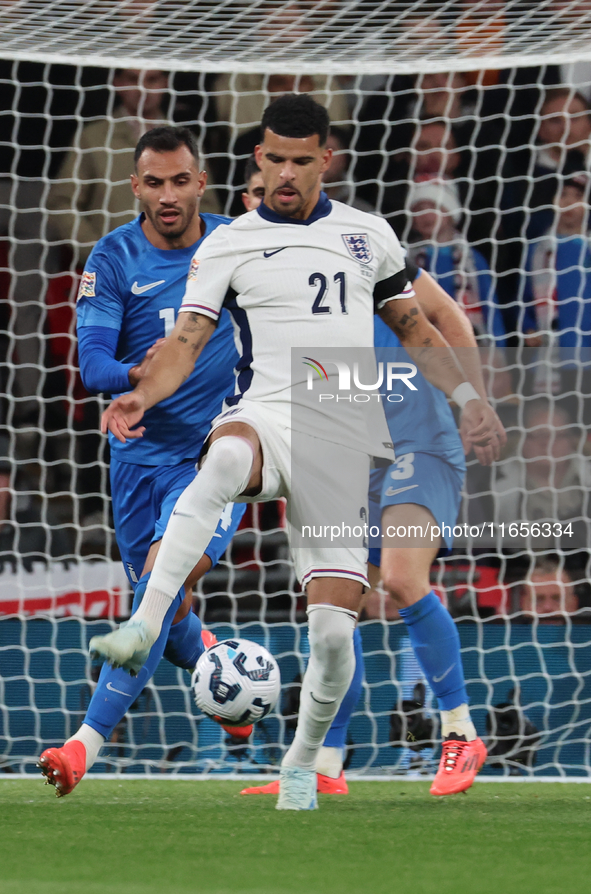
329, 761
327, 678
92, 741
224, 475
458, 722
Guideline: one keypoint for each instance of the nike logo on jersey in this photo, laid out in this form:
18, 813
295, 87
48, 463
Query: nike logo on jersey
120, 691
139, 290
392, 491
269, 254
444, 674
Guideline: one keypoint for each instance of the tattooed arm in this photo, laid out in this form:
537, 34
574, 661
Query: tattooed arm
434, 357
423, 342
166, 371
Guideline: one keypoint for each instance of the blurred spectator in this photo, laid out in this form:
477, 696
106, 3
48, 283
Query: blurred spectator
444, 95
564, 127
91, 194
460, 269
254, 193
337, 182
439, 150
558, 284
549, 481
549, 593
240, 99
557, 296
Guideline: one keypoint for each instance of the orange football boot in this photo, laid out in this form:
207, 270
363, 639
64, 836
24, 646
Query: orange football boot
271, 788
238, 732
459, 764
208, 638
329, 786
63, 767
325, 785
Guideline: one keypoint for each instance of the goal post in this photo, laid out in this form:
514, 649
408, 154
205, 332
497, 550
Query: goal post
483, 105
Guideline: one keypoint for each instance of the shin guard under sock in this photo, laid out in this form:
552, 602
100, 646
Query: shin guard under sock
337, 735
327, 678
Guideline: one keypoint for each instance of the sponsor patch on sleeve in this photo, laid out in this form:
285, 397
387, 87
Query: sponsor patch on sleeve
87, 285
193, 270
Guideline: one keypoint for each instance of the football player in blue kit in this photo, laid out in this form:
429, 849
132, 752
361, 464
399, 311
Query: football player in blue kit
128, 300
423, 488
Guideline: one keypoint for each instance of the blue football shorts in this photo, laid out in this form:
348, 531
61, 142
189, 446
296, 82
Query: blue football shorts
420, 478
143, 500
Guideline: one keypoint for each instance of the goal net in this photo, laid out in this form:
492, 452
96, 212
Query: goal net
467, 126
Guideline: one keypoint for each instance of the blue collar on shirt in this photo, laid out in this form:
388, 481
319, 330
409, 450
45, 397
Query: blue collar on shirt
322, 208
210, 225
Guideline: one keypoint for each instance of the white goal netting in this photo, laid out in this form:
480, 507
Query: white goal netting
478, 112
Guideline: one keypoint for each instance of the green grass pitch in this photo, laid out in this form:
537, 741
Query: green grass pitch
384, 838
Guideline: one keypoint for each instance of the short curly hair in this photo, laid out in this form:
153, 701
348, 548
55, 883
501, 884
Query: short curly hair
296, 115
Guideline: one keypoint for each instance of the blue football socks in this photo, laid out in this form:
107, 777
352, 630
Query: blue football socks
184, 644
436, 644
116, 690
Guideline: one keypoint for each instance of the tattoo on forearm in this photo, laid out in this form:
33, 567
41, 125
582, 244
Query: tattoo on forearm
193, 323
407, 321
184, 340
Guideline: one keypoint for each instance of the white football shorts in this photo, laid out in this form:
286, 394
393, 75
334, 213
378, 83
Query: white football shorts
331, 483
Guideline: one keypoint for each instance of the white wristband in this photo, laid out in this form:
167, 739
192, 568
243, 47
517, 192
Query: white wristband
463, 393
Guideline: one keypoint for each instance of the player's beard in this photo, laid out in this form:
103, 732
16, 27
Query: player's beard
181, 225
280, 208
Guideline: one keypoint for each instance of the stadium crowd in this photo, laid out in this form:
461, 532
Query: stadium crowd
483, 175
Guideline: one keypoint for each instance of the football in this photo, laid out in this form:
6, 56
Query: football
236, 681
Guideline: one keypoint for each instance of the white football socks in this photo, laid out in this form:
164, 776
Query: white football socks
327, 678
458, 722
329, 761
224, 475
92, 741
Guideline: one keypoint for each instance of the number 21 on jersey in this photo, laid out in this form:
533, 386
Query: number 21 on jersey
319, 281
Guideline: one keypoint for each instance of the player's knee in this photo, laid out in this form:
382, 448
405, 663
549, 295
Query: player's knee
332, 643
230, 454
403, 585
331, 634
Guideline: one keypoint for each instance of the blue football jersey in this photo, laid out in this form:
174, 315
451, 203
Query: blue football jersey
422, 422
135, 288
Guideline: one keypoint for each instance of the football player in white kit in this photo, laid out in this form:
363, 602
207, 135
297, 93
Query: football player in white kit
299, 272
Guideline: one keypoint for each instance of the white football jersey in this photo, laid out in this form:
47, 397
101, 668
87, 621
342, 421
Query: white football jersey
293, 284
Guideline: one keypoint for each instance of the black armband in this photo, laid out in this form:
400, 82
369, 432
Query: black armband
412, 270
389, 288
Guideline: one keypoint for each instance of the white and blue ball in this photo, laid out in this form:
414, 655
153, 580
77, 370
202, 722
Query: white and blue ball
236, 682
